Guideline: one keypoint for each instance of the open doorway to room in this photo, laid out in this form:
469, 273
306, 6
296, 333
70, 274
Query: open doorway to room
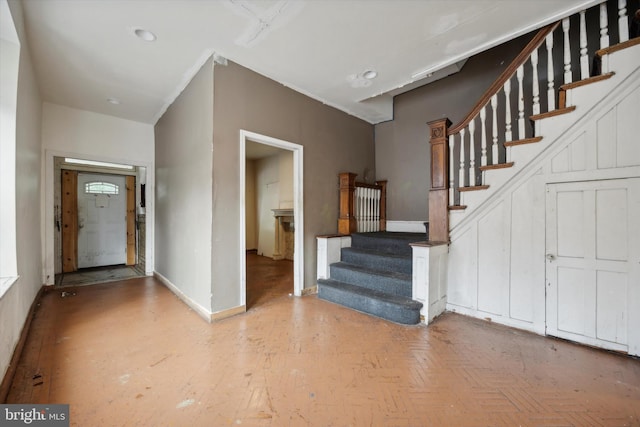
100, 227
271, 213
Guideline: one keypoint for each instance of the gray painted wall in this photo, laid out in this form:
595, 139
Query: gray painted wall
402, 145
333, 142
183, 189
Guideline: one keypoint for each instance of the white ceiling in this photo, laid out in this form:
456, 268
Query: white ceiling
85, 51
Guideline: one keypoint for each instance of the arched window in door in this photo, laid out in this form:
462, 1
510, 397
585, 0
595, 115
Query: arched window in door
101, 187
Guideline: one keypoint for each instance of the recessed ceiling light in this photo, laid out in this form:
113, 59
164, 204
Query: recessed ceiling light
370, 74
145, 35
113, 101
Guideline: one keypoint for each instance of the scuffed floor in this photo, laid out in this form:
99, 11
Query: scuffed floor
131, 353
91, 276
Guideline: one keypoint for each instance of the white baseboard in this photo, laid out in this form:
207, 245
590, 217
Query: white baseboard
223, 314
203, 312
502, 320
406, 226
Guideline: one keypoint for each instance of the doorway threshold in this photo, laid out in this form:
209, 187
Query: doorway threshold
95, 275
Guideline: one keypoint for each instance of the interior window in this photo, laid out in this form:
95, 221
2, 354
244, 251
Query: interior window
99, 187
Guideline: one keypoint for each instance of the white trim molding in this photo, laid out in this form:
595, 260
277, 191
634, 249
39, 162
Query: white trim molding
406, 226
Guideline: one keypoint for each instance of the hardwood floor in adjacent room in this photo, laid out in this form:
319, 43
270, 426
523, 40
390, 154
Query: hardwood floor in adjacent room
131, 353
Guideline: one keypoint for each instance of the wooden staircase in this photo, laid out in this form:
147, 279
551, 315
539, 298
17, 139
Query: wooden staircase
504, 131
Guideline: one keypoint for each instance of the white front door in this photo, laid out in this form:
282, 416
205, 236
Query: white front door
102, 225
593, 263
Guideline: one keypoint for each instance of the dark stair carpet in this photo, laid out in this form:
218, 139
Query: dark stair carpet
374, 277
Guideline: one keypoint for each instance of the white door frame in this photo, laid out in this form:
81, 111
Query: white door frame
47, 220
298, 214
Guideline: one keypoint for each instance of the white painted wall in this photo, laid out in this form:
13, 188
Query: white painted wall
15, 303
8, 100
274, 190
67, 132
497, 265
285, 176
185, 191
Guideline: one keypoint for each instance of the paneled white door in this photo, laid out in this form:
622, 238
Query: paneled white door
593, 263
102, 225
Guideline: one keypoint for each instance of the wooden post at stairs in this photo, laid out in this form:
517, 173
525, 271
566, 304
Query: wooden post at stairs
347, 220
439, 192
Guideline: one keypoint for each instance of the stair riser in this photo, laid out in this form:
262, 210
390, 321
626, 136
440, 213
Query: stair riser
379, 262
389, 285
370, 305
498, 177
524, 154
385, 245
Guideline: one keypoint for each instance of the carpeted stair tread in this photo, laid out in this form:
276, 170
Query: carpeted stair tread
377, 260
381, 304
384, 281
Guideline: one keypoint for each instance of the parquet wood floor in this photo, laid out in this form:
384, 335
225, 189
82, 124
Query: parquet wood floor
130, 353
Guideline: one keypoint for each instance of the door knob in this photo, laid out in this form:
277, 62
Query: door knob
551, 257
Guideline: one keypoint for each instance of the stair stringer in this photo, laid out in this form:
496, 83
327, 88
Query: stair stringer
496, 264
625, 63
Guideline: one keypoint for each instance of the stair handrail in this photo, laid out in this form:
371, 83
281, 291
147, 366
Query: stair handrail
507, 74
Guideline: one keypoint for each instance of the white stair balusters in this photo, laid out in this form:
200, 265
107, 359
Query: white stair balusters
567, 52
584, 58
452, 143
520, 77
367, 208
357, 194
375, 216
494, 129
535, 85
370, 207
604, 26
483, 136
508, 136
472, 153
551, 91
623, 24
461, 182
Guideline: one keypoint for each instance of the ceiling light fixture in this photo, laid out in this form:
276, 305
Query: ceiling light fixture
113, 101
370, 74
73, 161
145, 35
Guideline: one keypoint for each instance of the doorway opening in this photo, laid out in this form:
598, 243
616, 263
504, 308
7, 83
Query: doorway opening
100, 226
271, 215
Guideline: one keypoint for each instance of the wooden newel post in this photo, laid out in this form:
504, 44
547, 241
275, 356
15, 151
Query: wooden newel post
439, 192
383, 204
347, 220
